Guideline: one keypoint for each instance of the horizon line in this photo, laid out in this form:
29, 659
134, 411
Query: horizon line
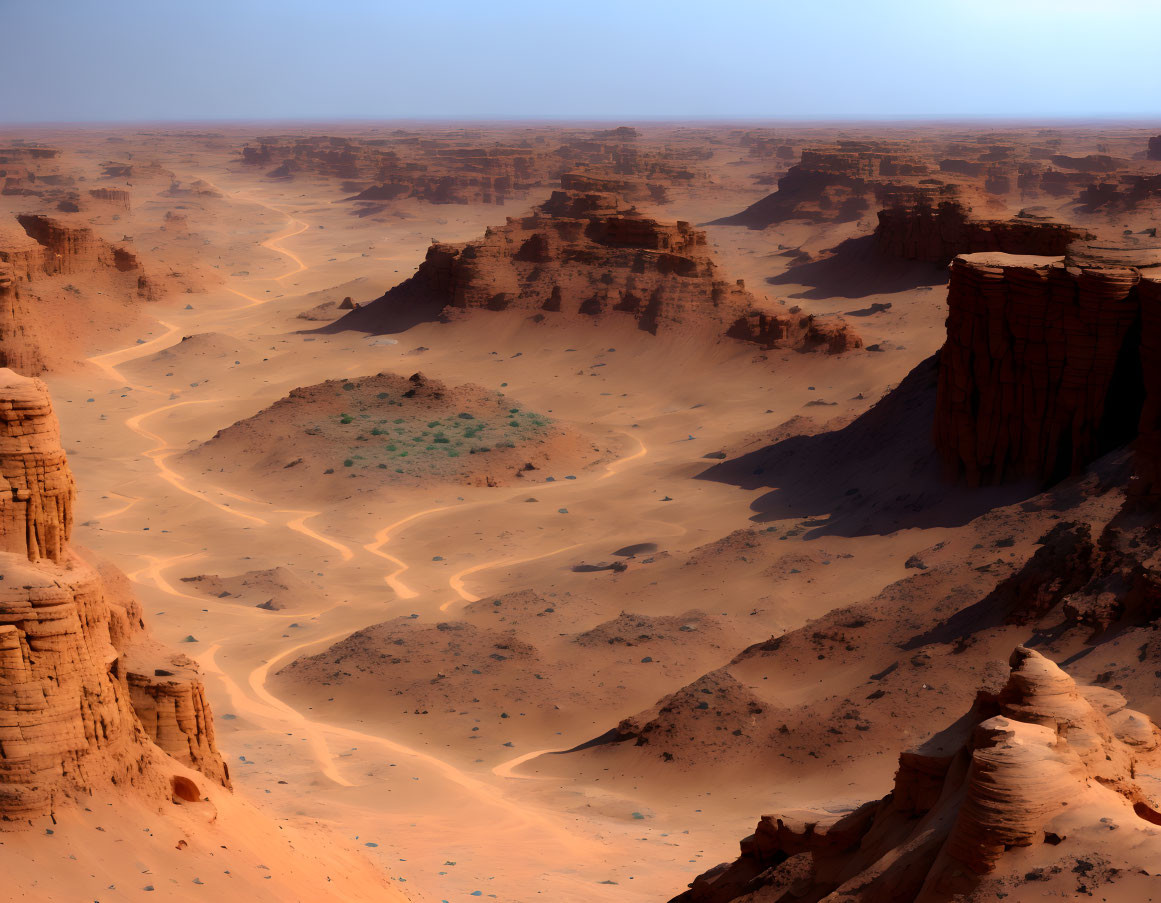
1028, 119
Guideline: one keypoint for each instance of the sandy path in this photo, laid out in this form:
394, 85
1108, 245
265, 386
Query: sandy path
384, 536
231, 656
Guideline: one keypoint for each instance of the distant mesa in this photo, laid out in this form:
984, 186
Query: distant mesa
834, 183
590, 256
456, 169
937, 224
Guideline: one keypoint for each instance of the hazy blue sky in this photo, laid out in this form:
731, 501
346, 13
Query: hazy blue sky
92, 60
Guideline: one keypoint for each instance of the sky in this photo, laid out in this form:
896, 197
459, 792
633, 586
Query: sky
605, 60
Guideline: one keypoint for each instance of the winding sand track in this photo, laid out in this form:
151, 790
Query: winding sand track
251, 695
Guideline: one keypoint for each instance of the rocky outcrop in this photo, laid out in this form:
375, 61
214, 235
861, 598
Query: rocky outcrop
68, 249
32, 171
830, 184
1042, 368
37, 492
436, 171
1089, 162
115, 197
38, 300
67, 717
927, 227
1128, 192
1153, 152
1028, 768
173, 710
18, 348
591, 255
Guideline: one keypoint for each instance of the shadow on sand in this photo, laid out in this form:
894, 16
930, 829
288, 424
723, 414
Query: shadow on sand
856, 270
878, 474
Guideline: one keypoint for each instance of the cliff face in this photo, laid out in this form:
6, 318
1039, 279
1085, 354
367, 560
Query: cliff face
116, 197
1042, 368
65, 249
67, 716
1154, 150
37, 492
589, 254
937, 230
830, 184
38, 327
18, 348
1041, 761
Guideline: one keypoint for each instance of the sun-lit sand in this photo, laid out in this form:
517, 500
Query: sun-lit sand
516, 637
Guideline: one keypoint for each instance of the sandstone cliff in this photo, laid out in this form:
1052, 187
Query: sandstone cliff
589, 254
1042, 368
39, 303
938, 226
1043, 768
831, 184
69, 719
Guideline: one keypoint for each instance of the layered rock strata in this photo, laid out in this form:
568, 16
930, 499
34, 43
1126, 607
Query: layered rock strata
1042, 368
589, 254
67, 717
937, 230
1040, 761
831, 184
38, 300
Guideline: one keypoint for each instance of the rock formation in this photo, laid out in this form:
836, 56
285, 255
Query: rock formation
938, 226
38, 331
32, 171
830, 184
1042, 767
1154, 150
69, 699
116, 197
463, 167
1042, 368
438, 171
590, 254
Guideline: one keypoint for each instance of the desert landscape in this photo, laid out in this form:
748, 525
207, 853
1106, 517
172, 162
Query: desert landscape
327, 571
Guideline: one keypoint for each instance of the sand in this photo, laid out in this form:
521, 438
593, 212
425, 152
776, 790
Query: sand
393, 766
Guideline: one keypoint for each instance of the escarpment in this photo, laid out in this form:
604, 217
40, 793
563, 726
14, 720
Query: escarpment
938, 226
589, 255
1043, 368
40, 256
1010, 794
830, 184
71, 707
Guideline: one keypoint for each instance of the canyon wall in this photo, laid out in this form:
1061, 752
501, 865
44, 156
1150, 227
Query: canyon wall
937, 230
1041, 372
68, 722
40, 325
